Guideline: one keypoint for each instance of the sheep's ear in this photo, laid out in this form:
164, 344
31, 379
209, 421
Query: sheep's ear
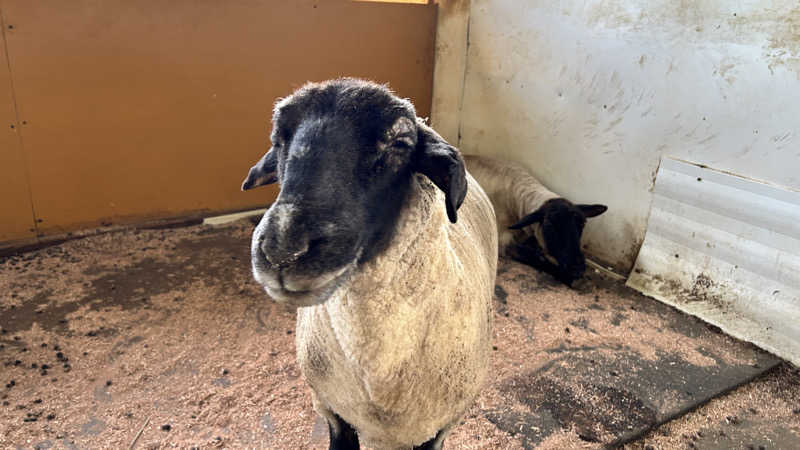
441, 163
264, 172
403, 131
531, 218
592, 210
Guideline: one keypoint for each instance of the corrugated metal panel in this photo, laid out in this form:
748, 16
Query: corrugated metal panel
726, 249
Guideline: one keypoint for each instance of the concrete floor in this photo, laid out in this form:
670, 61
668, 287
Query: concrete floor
160, 338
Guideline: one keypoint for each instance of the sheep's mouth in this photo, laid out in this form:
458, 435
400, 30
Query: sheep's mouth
284, 286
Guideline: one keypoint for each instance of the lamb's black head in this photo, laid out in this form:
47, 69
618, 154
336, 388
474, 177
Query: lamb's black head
562, 224
344, 152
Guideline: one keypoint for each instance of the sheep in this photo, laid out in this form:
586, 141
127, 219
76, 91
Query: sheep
393, 291
552, 244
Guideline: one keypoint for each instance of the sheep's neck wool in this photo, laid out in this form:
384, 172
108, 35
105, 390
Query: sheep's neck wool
411, 326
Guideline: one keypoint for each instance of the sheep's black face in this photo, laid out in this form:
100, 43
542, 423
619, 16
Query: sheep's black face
562, 225
344, 152
562, 228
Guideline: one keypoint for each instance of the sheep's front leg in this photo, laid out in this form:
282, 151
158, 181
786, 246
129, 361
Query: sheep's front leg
529, 252
343, 436
434, 444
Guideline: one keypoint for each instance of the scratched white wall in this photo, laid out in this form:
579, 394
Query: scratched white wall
590, 94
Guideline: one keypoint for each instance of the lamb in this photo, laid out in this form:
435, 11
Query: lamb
552, 244
393, 291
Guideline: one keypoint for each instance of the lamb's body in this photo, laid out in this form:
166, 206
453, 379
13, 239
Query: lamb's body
514, 193
401, 350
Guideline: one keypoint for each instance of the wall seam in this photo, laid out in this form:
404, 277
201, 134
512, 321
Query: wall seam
437, 8
464, 76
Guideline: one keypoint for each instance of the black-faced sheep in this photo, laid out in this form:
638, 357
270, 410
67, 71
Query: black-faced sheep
535, 226
393, 329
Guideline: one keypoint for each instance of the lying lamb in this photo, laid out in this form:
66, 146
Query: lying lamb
553, 243
395, 311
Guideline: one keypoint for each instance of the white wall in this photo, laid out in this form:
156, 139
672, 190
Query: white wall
590, 94
449, 69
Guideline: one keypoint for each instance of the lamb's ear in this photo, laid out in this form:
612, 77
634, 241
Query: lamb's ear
264, 172
531, 218
441, 163
592, 210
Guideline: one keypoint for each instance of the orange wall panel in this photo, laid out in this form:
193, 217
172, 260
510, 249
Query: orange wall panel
152, 109
16, 215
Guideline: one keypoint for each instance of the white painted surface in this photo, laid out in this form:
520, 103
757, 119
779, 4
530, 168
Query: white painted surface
590, 94
726, 249
228, 218
452, 22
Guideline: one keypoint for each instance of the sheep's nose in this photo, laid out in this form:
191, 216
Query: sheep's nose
283, 252
284, 235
